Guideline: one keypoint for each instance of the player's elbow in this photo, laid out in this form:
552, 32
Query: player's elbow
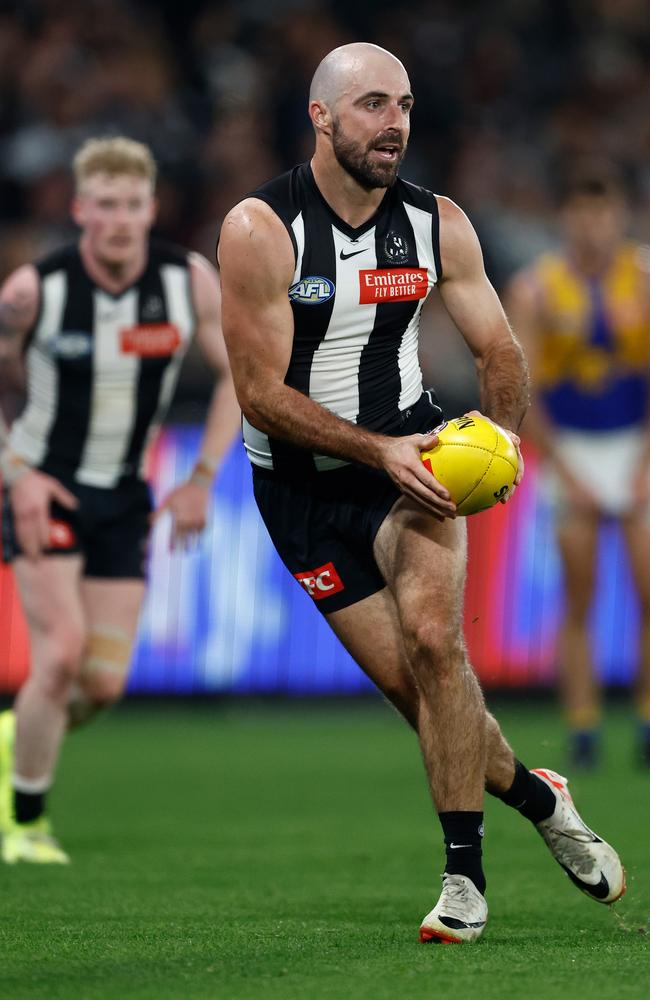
254, 404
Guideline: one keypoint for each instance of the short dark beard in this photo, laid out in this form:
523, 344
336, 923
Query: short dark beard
357, 163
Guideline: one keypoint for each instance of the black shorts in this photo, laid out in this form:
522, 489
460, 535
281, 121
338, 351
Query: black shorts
109, 528
324, 526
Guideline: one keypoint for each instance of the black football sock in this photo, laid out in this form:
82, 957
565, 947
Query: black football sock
28, 806
463, 843
529, 795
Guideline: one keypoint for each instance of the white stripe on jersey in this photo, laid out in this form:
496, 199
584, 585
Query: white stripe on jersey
178, 293
298, 226
257, 445
113, 404
408, 357
422, 222
334, 376
29, 433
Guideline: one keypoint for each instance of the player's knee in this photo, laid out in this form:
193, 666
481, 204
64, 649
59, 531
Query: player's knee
103, 689
434, 646
59, 660
105, 665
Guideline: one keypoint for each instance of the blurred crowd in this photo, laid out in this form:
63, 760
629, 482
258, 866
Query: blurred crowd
507, 93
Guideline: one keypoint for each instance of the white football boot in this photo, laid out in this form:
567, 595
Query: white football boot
459, 915
590, 863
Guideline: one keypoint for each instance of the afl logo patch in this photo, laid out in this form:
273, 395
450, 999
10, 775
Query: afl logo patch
70, 345
396, 248
312, 290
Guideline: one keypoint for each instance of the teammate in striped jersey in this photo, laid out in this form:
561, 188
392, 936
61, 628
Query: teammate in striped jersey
324, 273
104, 325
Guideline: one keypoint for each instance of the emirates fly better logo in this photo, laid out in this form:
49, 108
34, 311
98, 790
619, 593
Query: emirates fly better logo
393, 284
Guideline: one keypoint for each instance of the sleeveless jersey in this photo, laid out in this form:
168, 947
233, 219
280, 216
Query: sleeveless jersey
356, 298
594, 360
102, 368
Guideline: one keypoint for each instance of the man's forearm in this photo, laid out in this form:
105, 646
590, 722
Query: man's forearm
504, 384
285, 413
222, 422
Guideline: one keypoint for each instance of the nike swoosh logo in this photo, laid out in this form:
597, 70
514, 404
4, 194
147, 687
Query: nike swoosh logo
455, 847
457, 925
598, 891
346, 256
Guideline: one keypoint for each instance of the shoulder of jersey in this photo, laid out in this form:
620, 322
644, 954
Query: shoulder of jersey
277, 184
281, 192
417, 195
57, 259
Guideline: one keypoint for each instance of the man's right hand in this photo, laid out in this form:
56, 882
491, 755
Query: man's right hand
400, 458
31, 496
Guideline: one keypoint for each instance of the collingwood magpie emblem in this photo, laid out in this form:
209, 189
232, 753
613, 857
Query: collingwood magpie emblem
153, 308
396, 248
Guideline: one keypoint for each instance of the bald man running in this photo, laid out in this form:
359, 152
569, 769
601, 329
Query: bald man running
324, 274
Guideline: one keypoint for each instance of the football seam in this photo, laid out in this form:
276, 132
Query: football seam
480, 447
477, 484
477, 447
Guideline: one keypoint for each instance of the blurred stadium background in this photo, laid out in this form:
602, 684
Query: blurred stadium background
507, 94
237, 849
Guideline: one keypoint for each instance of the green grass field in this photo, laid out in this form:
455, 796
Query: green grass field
289, 852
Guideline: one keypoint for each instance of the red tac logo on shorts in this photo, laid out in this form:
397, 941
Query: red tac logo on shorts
150, 340
392, 284
61, 535
321, 582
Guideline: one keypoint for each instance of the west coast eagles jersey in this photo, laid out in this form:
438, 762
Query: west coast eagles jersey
594, 362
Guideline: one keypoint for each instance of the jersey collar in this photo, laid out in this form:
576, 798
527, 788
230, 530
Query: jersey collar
341, 224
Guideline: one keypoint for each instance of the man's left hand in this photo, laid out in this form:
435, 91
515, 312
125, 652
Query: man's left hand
516, 440
188, 506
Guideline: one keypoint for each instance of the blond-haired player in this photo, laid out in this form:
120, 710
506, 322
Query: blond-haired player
104, 325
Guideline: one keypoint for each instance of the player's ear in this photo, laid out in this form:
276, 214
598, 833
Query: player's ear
320, 116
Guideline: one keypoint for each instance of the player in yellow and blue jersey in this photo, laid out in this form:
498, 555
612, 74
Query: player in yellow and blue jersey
583, 315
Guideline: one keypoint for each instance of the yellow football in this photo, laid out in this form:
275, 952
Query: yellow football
476, 460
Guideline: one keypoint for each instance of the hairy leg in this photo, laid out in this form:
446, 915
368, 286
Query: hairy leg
50, 594
371, 632
423, 562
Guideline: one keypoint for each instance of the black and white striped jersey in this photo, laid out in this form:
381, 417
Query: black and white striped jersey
102, 368
356, 298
